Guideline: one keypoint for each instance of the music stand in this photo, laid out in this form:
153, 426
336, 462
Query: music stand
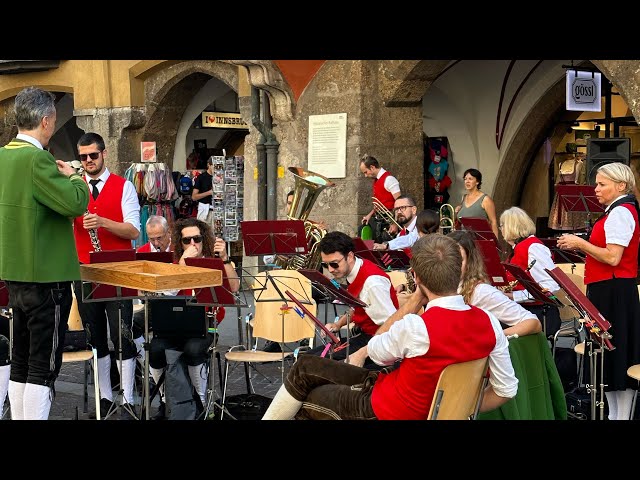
104, 293
544, 297
328, 288
385, 259
598, 328
579, 198
215, 297
480, 228
568, 256
165, 257
492, 264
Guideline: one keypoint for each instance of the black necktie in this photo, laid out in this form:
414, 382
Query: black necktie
94, 191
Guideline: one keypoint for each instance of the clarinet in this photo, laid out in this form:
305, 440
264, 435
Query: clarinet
93, 233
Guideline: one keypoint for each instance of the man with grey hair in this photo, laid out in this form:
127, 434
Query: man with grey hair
39, 195
158, 234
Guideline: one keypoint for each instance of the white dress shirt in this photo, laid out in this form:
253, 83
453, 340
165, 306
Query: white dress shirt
391, 183
375, 293
408, 338
405, 241
619, 225
507, 311
30, 139
542, 256
129, 203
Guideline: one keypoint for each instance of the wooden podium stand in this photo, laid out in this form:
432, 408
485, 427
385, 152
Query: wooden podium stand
150, 279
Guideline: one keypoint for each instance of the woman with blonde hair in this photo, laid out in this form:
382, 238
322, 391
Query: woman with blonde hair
477, 291
611, 268
530, 254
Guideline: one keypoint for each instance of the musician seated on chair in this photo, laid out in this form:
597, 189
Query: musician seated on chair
405, 211
367, 282
448, 332
192, 238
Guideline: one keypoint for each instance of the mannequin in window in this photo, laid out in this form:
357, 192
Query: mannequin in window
570, 170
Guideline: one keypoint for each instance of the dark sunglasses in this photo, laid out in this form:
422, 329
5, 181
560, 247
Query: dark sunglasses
93, 155
331, 264
187, 240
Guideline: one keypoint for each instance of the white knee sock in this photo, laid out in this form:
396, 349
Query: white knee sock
37, 402
4, 385
104, 377
16, 399
283, 406
612, 402
156, 373
199, 381
127, 379
625, 398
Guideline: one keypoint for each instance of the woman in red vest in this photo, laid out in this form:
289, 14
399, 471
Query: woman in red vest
611, 268
530, 254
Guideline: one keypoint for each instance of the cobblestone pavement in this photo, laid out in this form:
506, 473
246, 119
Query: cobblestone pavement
265, 378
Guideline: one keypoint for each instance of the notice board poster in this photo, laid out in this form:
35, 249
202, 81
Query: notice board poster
328, 145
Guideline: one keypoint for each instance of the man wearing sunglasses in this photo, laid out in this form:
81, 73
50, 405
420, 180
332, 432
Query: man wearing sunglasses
38, 196
192, 238
366, 281
114, 214
405, 211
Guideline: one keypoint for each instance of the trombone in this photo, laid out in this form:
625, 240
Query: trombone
447, 219
384, 212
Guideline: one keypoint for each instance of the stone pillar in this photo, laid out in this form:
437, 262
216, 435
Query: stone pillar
121, 129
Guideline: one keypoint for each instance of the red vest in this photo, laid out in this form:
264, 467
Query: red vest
407, 250
360, 317
381, 193
521, 258
146, 248
595, 271
455, 336
108, 205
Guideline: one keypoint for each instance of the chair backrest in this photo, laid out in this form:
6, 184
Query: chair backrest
268, 321
579, 281
567, 312
576, 268
459, 389
74, 323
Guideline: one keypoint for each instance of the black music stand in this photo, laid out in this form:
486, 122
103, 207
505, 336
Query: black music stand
579, 198
331, 290
385, 259
164, 257
492, 264
215, 297
544, 297
599, 338
558, 254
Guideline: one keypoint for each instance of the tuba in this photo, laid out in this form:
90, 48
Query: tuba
308, 186
447, 219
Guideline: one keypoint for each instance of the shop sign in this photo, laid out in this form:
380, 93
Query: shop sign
223, 120
148, 153
583, 91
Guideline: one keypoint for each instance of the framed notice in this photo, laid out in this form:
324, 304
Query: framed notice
148, 153
328, 145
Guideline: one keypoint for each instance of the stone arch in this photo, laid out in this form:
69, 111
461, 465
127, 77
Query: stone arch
169, 91
406, 81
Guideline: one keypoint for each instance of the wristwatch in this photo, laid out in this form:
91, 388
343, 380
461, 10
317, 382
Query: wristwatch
386, 245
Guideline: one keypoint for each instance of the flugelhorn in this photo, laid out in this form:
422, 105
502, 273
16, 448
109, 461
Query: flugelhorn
447, 219
385, 213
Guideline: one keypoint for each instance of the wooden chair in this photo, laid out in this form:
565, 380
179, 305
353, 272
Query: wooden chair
270, 324
570, 326
574, 268
459, 391
634, 372
89, 357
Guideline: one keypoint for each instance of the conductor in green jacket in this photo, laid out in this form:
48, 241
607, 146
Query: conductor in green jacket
39, 197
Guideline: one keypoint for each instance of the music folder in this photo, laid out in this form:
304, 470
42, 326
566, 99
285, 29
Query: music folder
164, 257
480, 228
531, 285
4, 294
578, 198
561, 256
385, 259
214, 296
330, 289
492, 263
274, 237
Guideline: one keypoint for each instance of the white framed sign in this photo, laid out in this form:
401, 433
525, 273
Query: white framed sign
327, 151
583, 91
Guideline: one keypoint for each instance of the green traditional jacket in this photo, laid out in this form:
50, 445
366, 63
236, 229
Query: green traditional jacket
37, 206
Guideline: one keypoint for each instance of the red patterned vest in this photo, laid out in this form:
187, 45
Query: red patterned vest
108, 205
360, 317
595, 271
381, 193
407, 250
146, 248
455, 336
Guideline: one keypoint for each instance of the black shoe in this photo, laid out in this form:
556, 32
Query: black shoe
125, 412
272, 347
105, 405
304, 342
161, 414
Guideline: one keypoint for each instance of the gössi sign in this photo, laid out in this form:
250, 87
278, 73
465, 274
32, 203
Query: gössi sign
583, 91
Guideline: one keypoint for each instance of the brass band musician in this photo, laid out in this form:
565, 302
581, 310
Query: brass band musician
405, 211
386, 189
